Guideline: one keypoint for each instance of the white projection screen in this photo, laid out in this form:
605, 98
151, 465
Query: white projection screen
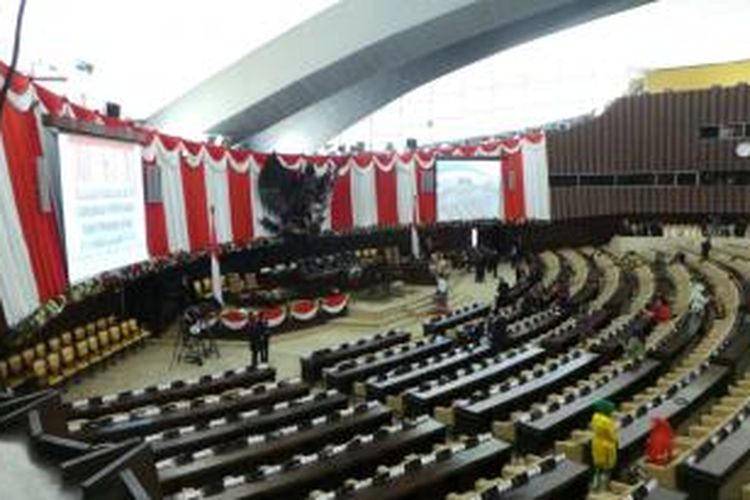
102, 203
468, 189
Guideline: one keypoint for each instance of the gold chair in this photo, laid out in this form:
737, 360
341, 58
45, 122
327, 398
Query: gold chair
102, 324
69, 362
111, 320
67, 339
40, 372
41, 350
15, 370
82, 354
28, 356
90, 329
115, 337
94, 354
104, 347
54, 375
54, 344
80, 333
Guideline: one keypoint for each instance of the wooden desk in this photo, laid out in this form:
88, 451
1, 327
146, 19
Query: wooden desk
478, 416
444, 323
177, 390
440, 478
394, 383
568, 480
214, 468
313, 364
343, 380
327, 473
203, 438
538, 435
418, 402
712, 382
171, 419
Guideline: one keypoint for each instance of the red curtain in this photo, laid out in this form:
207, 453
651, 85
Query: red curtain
196, 210
385, 188
156, 226
240, 202
341, 203
513, 198
426, 196
22, 149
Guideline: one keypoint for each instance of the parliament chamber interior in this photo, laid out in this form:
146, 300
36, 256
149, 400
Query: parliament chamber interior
375, 249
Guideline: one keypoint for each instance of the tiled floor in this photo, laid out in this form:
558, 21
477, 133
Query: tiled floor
153, 363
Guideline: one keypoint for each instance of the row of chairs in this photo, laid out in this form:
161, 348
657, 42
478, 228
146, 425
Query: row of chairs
62, 357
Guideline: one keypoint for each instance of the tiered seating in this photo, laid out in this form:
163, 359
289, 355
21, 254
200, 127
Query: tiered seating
167, 392
312, 365
67, 355
688, 385
430, 475
715, 447
534, 477
226, 428
343, 375
449, 386
210, 465
148, 420
407, 375
328, 466
441, 324
552, 268
476, 413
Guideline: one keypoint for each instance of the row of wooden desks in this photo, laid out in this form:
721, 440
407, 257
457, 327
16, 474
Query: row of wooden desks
142, 426
477, 416
396, 381
418, 401
240, 428
538, 435
244, 456
326, 473
342, 377
313, 364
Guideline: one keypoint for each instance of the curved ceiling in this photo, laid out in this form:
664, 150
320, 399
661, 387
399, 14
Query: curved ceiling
325, 74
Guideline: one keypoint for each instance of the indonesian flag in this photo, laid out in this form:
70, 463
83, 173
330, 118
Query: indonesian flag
215, 268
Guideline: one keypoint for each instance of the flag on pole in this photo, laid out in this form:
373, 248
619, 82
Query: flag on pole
215, 267
414, 233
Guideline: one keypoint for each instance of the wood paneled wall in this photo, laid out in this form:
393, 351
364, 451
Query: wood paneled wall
653, 132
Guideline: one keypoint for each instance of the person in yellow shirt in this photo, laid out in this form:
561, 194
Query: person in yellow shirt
604, 444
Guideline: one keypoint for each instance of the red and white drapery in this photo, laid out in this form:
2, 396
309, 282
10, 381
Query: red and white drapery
370, 190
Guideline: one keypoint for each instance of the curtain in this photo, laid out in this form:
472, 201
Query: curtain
168, 162
22, 150
536, 180
156, 224
217, 196
196, 208
341, 200
364, 196
406, 191
239, 199
427, 209
18, 290
385, 189
512, 187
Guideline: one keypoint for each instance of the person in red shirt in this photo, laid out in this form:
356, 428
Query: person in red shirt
660, 311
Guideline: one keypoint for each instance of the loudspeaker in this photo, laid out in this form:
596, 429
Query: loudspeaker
113, 110
411, 143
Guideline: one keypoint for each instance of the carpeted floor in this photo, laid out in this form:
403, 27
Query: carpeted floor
153, 363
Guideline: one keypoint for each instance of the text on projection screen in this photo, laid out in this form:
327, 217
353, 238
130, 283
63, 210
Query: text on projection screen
468, 189
103, 205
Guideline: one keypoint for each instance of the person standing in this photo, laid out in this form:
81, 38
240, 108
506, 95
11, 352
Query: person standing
604, 444
264, 336
255, 341
706, 248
